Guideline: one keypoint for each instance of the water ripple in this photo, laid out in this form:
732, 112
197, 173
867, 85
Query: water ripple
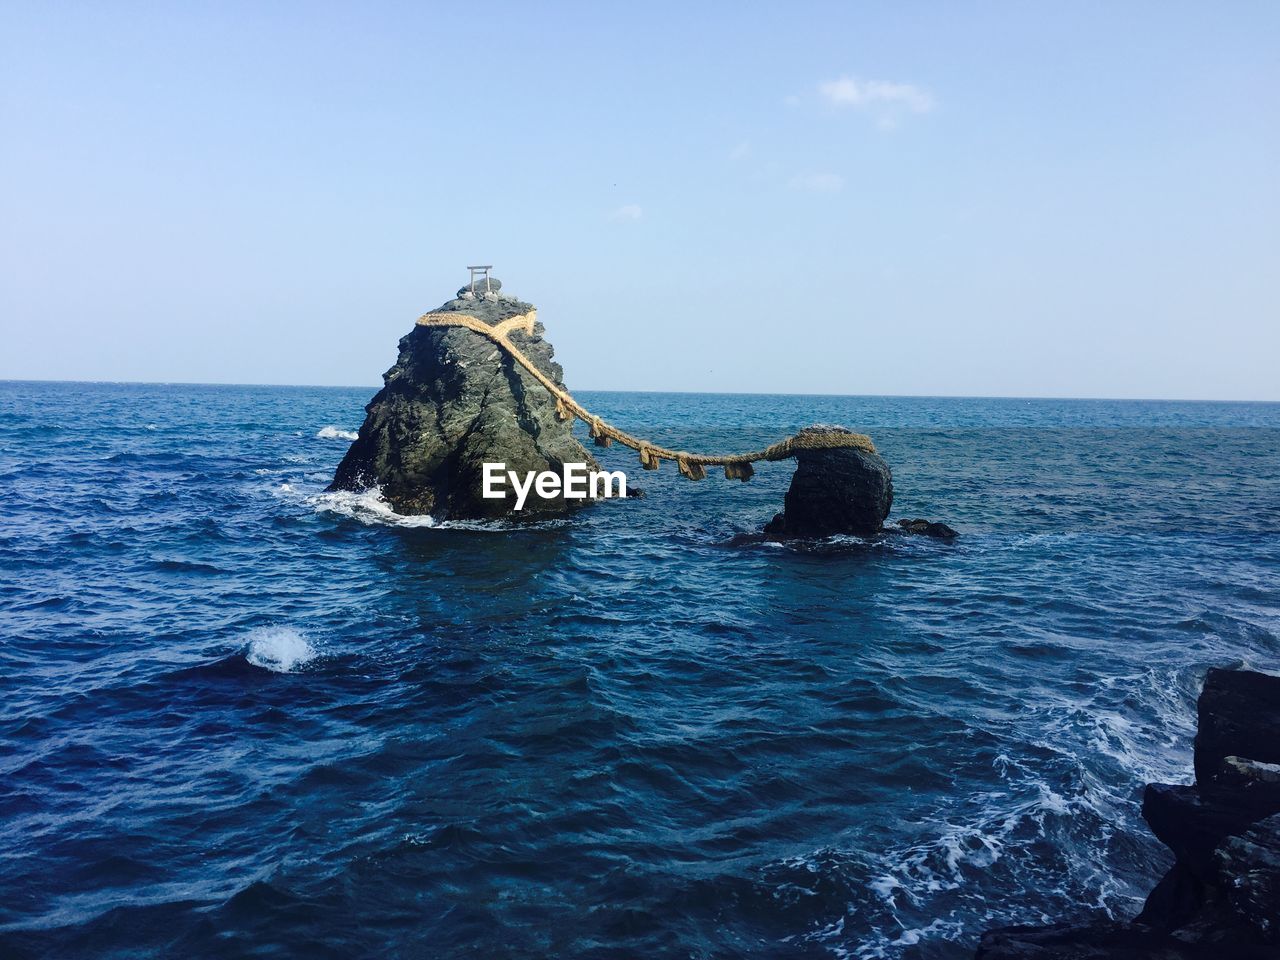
242, 716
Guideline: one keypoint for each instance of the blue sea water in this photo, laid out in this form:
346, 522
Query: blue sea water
243, 717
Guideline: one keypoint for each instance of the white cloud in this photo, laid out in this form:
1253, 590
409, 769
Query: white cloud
875, 95
817, 182
628, 211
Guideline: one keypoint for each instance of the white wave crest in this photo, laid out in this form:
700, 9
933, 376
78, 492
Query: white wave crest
370, 507
333, 433
367, 506
279, 649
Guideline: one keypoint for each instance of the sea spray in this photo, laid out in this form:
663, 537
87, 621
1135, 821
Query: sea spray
366, 506
333, 433
369, 507
279, 649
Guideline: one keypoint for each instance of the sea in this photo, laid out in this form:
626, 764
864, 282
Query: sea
243, 717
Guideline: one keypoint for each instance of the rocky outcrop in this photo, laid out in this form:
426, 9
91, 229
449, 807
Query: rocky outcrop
1221, 899
454, 401
835, 490
1239, 716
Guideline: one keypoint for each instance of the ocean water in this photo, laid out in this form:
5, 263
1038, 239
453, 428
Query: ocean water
242, 717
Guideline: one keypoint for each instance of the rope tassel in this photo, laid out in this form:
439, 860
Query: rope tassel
562, 412
739, 471
648, 459
692, 471
598, 433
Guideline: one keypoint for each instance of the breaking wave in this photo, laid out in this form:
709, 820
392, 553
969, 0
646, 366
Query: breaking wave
371, 508
366, 506
333, 433
279, 649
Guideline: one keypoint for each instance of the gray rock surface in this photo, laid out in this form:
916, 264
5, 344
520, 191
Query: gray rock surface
452, 402
840, 490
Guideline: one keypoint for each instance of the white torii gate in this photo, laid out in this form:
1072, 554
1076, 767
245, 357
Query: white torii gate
483, 273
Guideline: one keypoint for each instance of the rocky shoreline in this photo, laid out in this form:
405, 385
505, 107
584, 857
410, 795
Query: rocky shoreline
1221, 898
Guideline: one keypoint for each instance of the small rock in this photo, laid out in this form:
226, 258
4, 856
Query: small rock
1242, 772
835, 490
929, 528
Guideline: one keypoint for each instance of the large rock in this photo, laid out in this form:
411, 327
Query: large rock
452, 402
1238, 716
1222, 896
835, 490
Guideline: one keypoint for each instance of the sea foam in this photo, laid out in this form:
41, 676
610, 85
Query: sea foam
367, 506
333, 433
370, 507
279, 649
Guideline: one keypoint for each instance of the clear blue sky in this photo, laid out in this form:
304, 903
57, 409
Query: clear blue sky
909, 198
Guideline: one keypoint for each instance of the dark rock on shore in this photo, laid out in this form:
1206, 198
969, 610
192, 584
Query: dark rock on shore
1239, 716
838, 490
452, 402
1221, 899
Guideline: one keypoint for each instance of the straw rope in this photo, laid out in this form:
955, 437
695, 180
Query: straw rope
692, 465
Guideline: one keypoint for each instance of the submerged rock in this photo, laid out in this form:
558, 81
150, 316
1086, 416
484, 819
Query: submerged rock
452, 402
928, 528
1222, 896
835, 490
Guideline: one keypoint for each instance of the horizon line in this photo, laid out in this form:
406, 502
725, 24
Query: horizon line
707, 393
